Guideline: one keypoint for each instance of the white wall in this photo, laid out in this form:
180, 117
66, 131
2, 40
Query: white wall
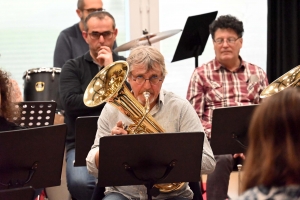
29, 29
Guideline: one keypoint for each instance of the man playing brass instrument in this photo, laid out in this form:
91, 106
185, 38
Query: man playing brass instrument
146, 74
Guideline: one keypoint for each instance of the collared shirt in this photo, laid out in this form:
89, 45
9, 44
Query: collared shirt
174, 114
213, 86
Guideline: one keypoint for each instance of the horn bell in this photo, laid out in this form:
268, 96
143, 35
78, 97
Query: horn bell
289, 79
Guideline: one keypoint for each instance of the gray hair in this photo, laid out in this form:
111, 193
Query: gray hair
148, 56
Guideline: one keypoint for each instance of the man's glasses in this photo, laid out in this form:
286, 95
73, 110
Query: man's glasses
141, 80
228, 40
90, 10
96, 35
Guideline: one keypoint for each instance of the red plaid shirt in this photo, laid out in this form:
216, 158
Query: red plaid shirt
212, 86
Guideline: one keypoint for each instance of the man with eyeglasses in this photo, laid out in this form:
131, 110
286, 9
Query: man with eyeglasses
146, 74
100, 34
225, 81
70, 42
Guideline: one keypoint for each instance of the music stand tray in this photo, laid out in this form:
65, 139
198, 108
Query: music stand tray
230, 128
86, 128
194, 37
32, 157
25, 193
147, 156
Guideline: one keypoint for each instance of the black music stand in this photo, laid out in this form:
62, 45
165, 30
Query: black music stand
86, 128
148, 159
230, 128
36, 113
25, 193
194, 37
32, 157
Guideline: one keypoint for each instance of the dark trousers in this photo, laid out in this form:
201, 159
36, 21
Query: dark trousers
218, 181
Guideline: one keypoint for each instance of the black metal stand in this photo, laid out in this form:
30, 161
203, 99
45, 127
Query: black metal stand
19, 183
150, 159
150, 182
194, 37
29, 159
229, 134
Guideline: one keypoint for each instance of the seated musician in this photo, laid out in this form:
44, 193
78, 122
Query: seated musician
8, 111
272, 166
146, 74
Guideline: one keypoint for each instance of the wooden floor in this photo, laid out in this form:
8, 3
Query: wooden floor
233, 185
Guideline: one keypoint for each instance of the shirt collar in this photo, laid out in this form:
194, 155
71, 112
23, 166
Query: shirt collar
217, 66
160, 103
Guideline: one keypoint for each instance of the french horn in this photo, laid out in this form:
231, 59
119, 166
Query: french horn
109, 86
289, 79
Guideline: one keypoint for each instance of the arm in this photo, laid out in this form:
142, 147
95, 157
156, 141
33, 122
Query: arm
106, 126
71, 89
190, 122
62, 51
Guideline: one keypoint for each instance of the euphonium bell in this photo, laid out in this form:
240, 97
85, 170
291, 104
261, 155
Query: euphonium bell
289, 79
109, 86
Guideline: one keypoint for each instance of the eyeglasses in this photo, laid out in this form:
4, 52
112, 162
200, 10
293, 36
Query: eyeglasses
141, 80
228, 40
96, 35
90, 10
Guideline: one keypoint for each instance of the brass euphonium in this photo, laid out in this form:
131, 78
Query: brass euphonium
109, 86
289, 79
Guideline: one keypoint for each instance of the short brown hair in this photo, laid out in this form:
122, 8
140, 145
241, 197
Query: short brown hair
99, 15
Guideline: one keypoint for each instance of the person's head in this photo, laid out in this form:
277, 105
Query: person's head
227, 32
99, 30
147, 72
7, 107
85, 7
273, 154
